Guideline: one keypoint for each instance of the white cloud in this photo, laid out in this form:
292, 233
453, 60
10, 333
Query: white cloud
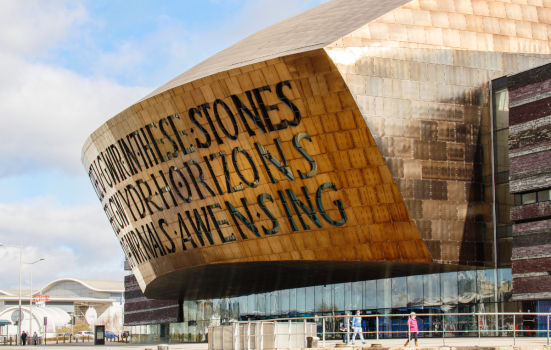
48, 112
75, 241
33, 27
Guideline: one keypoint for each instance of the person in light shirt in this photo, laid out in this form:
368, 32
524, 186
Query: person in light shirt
413, 329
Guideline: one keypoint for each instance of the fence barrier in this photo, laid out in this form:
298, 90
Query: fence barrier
293, 332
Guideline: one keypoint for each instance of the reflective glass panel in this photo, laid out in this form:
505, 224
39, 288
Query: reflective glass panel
318, 294
284, 301
529, 198
327, 305
383, 293
485, 285
310, 295
252, 309
466, 284
301, 301
501, 109
192, 311
243, 304
234, 309
293, 301
199, 313
274, 305
505, 286
449, 288
347, 296
338, 301
415, 290
370, 295
544, 196
216, 309
357, 294
399, 292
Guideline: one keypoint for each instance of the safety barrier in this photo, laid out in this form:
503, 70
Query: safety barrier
293, 332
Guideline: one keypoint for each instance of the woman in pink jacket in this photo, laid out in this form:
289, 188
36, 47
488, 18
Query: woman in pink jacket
413, 329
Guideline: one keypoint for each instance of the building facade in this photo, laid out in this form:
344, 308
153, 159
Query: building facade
530, 166
68, 298
355, 156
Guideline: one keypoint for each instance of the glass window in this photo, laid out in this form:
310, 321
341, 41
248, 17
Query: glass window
284, 301
370, 295
293, 301
327, 305
234, 309
543, 196
207, 310
339, 297
192, 310
252, 309
347, 296
415, 290
318, 294
261, 304
501, 108
431, 289
505, 286
357, 293
310, 295
243, 304
216, 309
301, 301
399, 292
200, 309
274, 305
485, 281
449, 288
225, 309
383, 293
529, 198
466, 284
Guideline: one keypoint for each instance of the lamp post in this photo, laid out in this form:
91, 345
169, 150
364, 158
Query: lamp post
31, 298
20, 261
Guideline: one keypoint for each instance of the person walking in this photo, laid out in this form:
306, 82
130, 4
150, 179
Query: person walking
24, 338
35, 338
345, 326
357, 328
412, 328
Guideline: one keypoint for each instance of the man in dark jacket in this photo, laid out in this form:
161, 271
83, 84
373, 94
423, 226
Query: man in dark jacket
24, 338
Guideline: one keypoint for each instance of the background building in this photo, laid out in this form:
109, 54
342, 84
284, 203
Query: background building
355, 156
68, 298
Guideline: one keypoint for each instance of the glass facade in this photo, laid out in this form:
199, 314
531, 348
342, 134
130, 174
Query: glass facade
504, 200
427, 295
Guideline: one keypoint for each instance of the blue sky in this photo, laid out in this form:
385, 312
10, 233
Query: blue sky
66, 67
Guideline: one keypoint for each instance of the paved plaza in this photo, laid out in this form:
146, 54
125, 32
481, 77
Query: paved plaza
520, 344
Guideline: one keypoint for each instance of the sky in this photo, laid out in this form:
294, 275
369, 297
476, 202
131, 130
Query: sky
66, 67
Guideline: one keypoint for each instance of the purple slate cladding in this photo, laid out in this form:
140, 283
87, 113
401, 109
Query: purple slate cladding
530, 162
138, 310
531, 211
530, 111
529, 91
530, 170
533, 226
532, 284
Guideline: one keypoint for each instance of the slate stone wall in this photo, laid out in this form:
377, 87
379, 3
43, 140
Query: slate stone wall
138, 310
530, 171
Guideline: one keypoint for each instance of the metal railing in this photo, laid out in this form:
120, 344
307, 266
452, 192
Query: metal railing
480, 323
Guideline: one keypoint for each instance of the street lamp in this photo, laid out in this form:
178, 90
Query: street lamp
20, 254
31, 298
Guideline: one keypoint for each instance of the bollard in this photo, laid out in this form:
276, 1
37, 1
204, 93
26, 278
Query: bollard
70, 338
63, 338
